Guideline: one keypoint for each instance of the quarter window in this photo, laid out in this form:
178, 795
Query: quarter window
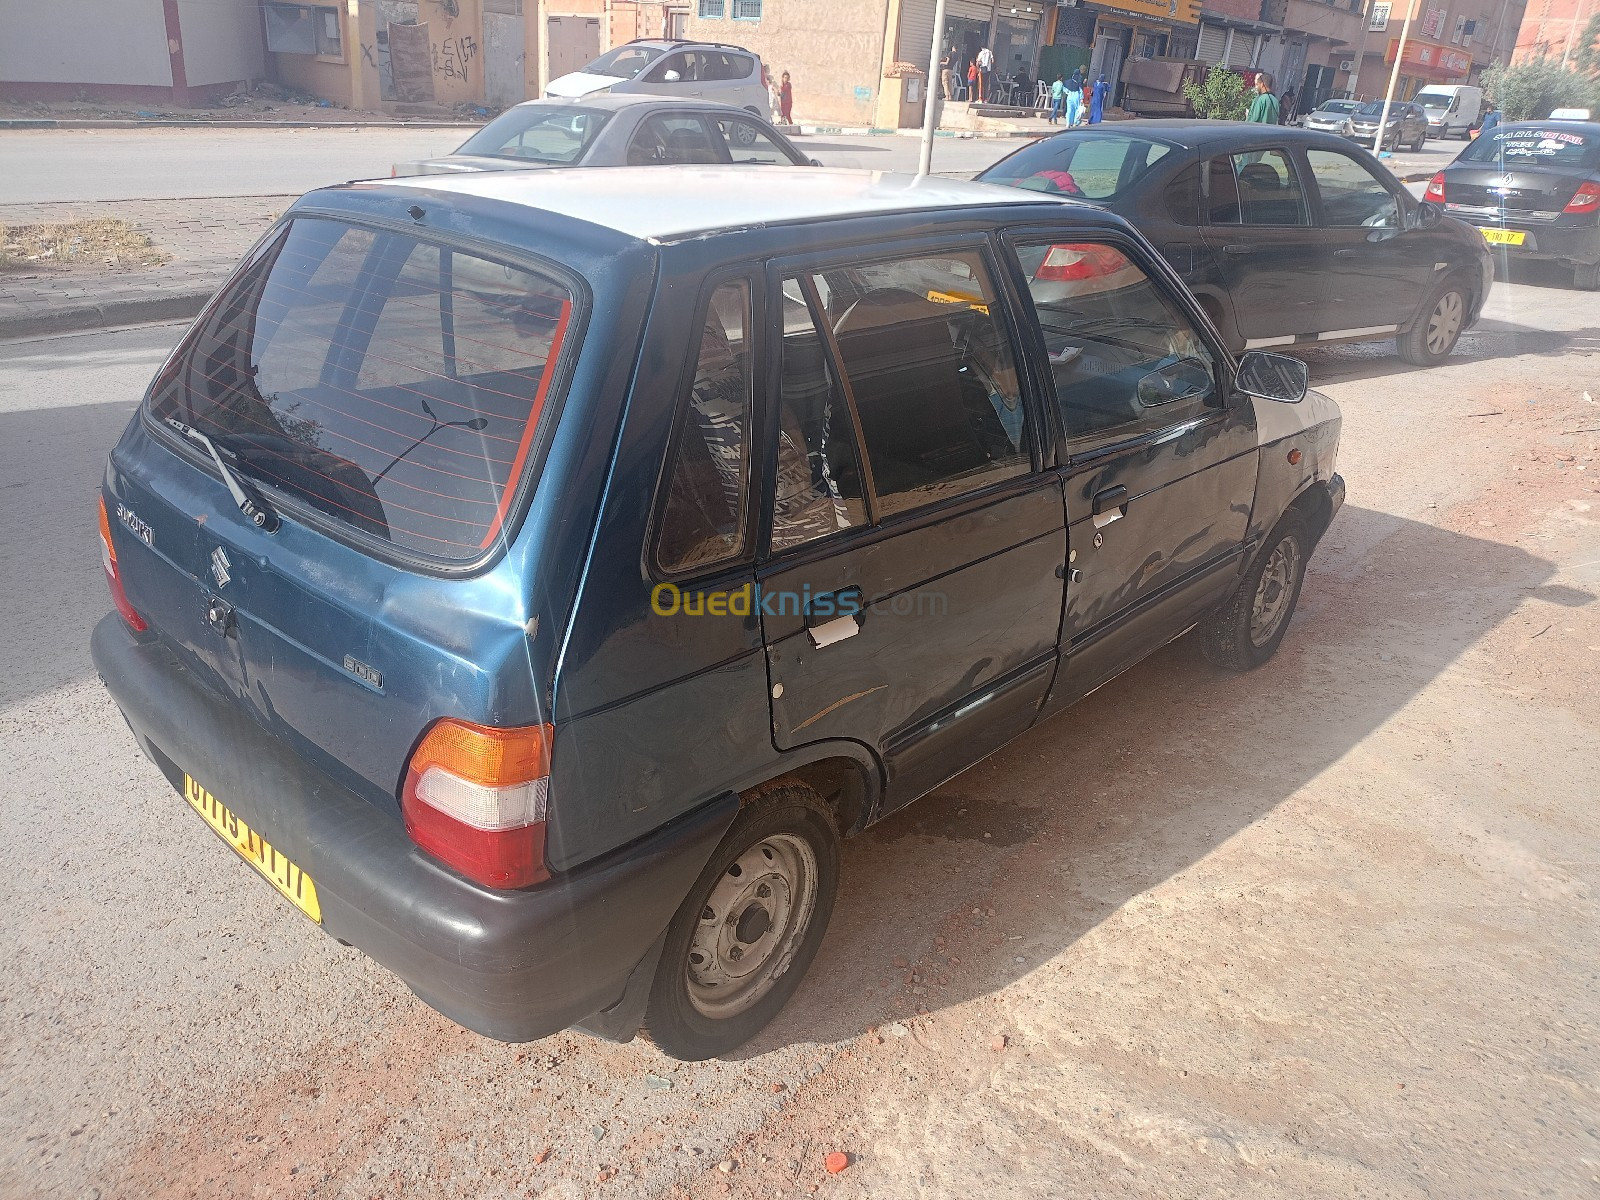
1122, 356
931, 371
1258, 188
1351, 194
703, 522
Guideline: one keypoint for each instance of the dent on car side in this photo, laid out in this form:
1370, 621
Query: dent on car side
667, 733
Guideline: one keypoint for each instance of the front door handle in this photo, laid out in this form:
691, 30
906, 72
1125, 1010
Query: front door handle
1346, 253
1239, 249
1110, 504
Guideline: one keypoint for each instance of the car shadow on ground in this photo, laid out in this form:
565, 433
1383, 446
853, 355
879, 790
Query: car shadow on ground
1488, 339
1030, 850
815, 147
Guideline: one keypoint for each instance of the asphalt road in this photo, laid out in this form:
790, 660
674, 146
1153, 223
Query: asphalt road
1326, 929
44, 165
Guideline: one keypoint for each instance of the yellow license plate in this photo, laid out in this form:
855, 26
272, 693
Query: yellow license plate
282, 874
1504, 237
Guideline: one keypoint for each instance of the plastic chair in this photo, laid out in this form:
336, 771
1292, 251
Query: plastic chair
1041, 98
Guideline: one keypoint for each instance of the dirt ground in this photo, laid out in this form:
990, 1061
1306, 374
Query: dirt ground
1328, 929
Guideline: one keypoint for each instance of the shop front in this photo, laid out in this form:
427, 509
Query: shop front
1424, 63
1129, 29
1013, 34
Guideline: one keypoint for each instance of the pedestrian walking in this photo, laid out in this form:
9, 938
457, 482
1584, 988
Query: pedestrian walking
1288, 107
947, 74
1075, 97
1490, 120
1058, 99
985, 65
1097, 100
786, 100
1264, 108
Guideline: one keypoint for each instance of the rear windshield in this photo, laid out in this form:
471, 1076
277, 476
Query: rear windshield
543, 133
391, 384
625, 61
1093, 166
1534, 146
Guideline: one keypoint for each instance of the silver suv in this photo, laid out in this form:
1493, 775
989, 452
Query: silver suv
683, 70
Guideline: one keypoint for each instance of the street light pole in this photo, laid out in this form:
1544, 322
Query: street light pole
930, 114
1394, 78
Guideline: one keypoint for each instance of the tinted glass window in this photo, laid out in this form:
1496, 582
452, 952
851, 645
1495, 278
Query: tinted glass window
704, 518
1095, 166
719, 65
1258, 188
932, 374
1183, 197
1543, 146
819, 489
747, 143
624, 62
668, 140
1123, 357
1351, 194
556, 134
389, 383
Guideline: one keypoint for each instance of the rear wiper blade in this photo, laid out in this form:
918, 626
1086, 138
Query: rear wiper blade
256, 510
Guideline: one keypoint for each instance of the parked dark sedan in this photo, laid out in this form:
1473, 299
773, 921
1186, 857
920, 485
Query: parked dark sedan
615, 131
1533, 188
1286, 235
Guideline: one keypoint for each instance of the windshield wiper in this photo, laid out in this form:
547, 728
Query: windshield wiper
256, 510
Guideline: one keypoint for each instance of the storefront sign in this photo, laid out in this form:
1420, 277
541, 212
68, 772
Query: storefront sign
1431, 60
1183, 12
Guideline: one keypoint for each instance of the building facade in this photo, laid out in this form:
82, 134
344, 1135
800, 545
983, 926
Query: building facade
1449, 41
1553, 29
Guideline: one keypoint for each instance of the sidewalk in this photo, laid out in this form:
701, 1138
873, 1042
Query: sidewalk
205, 239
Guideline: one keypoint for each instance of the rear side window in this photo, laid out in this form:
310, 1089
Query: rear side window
1257, 188
703, 522
1095, 166
391, 384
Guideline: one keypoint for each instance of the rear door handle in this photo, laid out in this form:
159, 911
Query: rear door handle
833, 617
1346, 253
1239, 249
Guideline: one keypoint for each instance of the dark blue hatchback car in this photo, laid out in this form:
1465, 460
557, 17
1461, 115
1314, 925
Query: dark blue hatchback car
533, 577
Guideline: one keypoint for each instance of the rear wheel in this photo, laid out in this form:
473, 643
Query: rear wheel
1439, 328
1586, 277
749, 928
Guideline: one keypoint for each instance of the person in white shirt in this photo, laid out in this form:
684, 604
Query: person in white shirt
985, 61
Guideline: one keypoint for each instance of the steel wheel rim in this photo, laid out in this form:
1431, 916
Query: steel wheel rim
1444, 323
1274, 591
751, 925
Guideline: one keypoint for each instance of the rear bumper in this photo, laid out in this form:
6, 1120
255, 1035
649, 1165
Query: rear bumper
514, 966
1570, 243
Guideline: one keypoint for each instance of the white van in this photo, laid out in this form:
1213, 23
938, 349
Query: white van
1452, 108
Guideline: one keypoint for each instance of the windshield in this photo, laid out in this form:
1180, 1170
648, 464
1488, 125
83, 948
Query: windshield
625, 61
545, 133
1534, 146
1434, 100
1091, 165
1339, 108
390, 384
1374, 108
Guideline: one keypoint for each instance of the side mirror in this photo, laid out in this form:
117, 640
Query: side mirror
816, 162
1186, 379
672, 77
1428, 214
1273, 377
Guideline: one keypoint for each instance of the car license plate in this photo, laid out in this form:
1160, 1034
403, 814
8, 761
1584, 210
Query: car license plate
1504, 237
282, 874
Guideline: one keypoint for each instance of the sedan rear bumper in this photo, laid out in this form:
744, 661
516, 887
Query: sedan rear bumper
1579, 245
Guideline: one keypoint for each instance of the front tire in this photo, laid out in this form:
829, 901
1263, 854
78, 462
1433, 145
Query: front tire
746, 933
1249, 628
1436, 332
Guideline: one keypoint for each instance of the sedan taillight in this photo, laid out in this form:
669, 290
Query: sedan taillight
1435, 190
1586, 199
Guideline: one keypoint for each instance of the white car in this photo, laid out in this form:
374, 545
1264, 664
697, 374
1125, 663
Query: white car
682, 70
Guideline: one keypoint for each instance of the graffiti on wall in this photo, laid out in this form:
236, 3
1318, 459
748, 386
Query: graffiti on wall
452, 58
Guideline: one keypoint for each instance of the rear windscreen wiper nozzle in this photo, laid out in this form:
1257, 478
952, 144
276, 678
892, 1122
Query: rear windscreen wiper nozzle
256, 510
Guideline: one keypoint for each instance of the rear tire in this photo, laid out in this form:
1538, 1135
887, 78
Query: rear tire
744, 936
1586, 277
1444, 317
1249, 628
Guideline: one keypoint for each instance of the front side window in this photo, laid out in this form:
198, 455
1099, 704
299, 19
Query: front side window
391, 384
625, 62
703, 522
1123, 357
672, 140
685, 65
747, 143
931, 371
538, 133
1351, 194
1257, 188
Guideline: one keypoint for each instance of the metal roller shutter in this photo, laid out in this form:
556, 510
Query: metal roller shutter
1213, 38
972, 10
914, 42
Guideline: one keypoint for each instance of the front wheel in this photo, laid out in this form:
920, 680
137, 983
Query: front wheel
749, 928
1436, 332
1416, 146
1247, 630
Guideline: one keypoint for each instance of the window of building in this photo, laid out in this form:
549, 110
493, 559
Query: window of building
747, 10
1380, 18
1351, 194
712, 10
304, 29
1122, 357
703, 522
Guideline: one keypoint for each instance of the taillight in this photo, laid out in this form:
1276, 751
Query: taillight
1585, 199
1064, 264
108, 558
475, 797
1435, 190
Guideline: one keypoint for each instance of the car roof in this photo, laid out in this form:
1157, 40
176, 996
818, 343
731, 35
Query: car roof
1200, 134
614, 101
1589, 127
671, 203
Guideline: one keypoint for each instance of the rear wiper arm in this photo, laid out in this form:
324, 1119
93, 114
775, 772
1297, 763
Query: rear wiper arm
256, 510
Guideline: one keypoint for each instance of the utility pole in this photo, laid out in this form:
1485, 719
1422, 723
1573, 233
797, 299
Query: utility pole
930, 108
1394, 78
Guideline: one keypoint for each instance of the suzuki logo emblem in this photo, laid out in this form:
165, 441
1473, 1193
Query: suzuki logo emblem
219, 566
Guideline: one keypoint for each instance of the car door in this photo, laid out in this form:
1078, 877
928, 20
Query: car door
1379, 270
1270, 257
1160, 455
911, 592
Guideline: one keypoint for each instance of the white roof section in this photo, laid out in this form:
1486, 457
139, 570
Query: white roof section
664, 204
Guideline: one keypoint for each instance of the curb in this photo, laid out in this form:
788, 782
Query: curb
160, 123
174, 306
869, 131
